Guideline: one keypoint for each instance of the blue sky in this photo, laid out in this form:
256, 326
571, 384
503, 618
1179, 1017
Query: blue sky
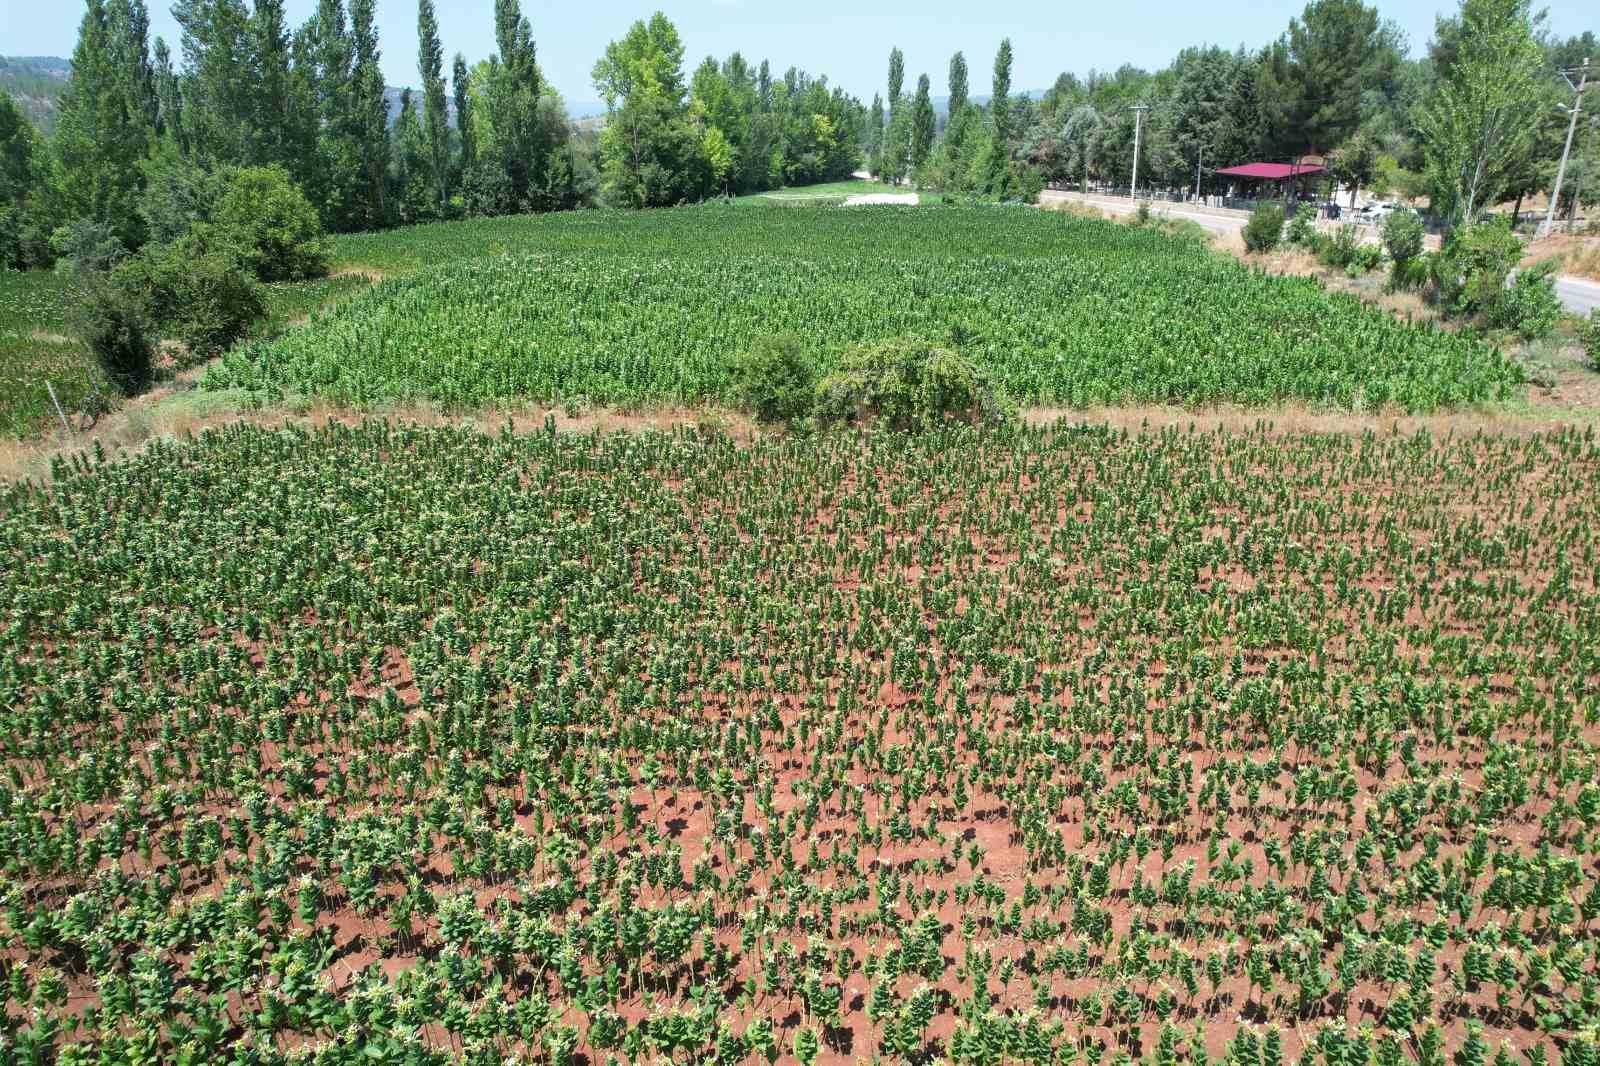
847, 39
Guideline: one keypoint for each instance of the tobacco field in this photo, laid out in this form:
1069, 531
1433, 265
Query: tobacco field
632, 309
383, 744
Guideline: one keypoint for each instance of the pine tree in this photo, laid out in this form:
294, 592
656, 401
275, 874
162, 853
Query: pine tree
435, 121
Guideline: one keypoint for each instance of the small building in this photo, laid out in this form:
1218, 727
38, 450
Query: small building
1289, 179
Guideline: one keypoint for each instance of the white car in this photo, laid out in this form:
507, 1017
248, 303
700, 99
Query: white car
1377, 211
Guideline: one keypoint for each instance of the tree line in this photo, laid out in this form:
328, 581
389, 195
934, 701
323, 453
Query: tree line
137, 124
1470, 122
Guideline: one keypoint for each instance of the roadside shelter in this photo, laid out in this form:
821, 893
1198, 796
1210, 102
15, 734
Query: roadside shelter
1287, 177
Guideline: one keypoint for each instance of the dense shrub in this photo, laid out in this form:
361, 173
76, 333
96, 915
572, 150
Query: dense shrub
1472, 267
1474, 275
1529, 304
112, 319
776, 379
273, 225
1403, 232
87, 246
1413, 273
1303, 227
1589, 337
201, 294
909, 384
1265, 228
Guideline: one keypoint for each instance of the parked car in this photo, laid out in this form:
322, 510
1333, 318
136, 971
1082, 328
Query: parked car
1376, 211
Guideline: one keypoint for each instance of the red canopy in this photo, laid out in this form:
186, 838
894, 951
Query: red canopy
1271, 171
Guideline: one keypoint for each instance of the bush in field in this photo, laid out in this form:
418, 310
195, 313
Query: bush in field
1403, 232
113, 321
1303, 227
1529, 304
909, 384
274, 226
1265, 228
776, 379
198, 292
1472, 267
1589, 337
1474, 275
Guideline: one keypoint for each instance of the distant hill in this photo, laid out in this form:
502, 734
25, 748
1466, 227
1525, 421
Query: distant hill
35, 83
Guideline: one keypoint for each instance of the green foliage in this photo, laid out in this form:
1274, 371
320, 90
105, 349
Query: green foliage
200, 293
1529, 304
1303, 226
908, 384
907, 680
1481, 120
1403, 234
651, 308
271, 225
84, 245
1345, 250
1412, 274
1264, 229
1589, 337
775, 379
111, 317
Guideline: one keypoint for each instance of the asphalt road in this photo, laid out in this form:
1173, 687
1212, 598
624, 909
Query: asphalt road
1577, 295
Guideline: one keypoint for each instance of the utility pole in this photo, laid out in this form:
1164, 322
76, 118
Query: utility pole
1198, 160
1138, 123
1588, 162
1572, 126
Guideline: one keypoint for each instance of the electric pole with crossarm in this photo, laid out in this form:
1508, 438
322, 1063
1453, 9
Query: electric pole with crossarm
1138, 123
1572, 126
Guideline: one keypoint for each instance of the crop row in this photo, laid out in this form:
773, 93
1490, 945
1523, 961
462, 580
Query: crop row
655, 307
402, 745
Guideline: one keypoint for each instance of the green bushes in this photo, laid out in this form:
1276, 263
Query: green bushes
775, 379
1474, 275
272, 224
113, 323
1589, 337
1265, 228
1403, 233
1303, 227
909, 384
204, 296
1529, 304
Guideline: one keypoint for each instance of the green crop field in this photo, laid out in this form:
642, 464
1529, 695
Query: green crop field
382, 744
652, 307
35, 348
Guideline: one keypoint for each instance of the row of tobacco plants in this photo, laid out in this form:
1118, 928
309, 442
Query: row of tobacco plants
656, 307
384, 744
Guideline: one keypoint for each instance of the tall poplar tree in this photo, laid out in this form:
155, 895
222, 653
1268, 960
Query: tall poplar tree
435, 120
461, 84
1000, 99
101, 134
958, 85
370, 113
922, 123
